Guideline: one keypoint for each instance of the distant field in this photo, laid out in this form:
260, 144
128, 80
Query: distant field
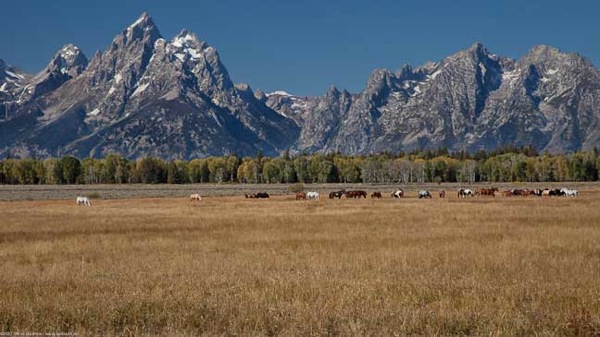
160, 264
127, 191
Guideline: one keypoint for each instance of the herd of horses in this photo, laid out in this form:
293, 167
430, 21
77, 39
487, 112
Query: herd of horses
546, 192
399, 193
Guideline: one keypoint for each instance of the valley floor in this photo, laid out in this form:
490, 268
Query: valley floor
231, 265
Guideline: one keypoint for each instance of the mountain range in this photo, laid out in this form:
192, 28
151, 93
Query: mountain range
148, 96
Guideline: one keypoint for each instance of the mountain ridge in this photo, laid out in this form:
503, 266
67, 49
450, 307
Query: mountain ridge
145, 95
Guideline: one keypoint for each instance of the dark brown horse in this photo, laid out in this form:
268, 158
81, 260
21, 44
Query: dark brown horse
376, 195
257, 195
301, 196
442, 194
356, 194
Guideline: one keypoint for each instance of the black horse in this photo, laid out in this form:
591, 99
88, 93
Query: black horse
337, 194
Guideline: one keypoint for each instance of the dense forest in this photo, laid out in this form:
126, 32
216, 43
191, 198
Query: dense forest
504, 165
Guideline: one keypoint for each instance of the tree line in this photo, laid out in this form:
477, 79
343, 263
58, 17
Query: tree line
509, 165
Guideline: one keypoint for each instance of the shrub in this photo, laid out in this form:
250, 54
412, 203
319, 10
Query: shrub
297, 187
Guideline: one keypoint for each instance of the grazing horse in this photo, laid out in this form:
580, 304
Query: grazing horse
301, 196
195, 197
520, 192
442, 194
83, 201
398, 194
556, 192
536, 191
465, 192
337, 194
257, 195
312, 195
376, 195
424, 194
488, 191
568, 192
356, 194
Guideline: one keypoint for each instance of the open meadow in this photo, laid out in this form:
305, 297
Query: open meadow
278, 266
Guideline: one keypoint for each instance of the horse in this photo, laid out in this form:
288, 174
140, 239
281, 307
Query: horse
83, 201
488, 191
261, 195
465, 192
312, 195
442, 194
376, 195
301, 196
424, 194
556, 192
568, 192
195, 197
520, 192
537, 192
398, 194
337, 194
356, 194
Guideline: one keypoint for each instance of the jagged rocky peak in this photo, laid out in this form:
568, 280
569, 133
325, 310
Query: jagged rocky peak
186, 46
142, 25
10, 73
405, 73
551, 56
12, 80
143, 29
186, 39
478, 49
380, 82
69, 60
67, 63
332, 91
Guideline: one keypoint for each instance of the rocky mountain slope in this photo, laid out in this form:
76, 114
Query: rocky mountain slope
142, 96
149, 96
469, 101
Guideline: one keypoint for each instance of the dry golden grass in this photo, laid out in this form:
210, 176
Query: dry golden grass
230, 265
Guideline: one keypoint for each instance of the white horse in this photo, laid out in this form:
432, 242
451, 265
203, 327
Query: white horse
568, 192
398, 194
196, 197
424, 194
83, 201
312, 195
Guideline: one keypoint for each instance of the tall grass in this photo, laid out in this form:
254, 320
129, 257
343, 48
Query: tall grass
279, 266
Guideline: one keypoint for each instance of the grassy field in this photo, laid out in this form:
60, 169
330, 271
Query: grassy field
231, 265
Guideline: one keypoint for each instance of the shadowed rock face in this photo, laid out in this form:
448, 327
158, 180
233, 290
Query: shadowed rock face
148, 96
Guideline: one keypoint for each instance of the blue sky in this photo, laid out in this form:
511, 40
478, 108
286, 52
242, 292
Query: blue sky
303, 47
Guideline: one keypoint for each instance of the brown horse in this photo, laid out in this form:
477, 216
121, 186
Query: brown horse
376, 195
356, 194
442, 194
488, 191
301, 196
